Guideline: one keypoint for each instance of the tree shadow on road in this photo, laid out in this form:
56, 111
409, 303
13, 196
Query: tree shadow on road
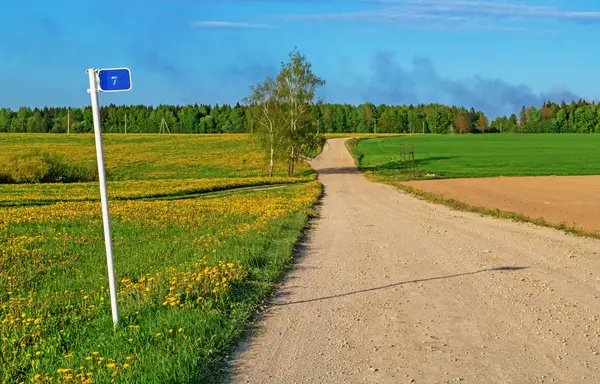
499, 269
391, 166
341, 170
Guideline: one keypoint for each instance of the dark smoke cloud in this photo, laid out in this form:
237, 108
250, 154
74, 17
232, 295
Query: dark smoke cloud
391, 83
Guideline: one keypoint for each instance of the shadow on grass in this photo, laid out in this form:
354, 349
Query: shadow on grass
167, 196
501, 269
395, 165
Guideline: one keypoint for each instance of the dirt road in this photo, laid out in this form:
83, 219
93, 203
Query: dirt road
393, 289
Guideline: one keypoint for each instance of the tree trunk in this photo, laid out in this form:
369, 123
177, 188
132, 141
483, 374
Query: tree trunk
291, 166
271, 163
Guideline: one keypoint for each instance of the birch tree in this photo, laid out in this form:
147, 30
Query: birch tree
265, 113
297, 86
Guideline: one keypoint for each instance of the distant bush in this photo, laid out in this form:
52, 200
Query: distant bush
43, 167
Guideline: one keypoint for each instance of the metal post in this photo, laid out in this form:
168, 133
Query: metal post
103, 196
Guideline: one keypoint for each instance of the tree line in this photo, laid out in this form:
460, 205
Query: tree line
575, 117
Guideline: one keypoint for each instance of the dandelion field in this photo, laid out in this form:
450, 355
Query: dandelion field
143, 157
190, 272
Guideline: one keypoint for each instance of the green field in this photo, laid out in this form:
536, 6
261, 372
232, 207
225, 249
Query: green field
141, 157
191, 268
457, 156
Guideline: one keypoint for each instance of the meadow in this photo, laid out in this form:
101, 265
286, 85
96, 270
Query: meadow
143, 157
467, 156
191, 268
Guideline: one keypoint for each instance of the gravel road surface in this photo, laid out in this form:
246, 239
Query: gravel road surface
393, 289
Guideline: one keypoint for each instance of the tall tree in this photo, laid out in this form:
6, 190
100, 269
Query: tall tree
462, 123
267, 115
297, 86
5, 119
483, 124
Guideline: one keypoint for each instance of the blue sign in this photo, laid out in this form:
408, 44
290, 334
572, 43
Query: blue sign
115, 80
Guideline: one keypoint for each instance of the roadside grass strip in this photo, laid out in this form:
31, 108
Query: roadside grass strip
190, 274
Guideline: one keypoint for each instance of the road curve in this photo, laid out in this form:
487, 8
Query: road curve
393, 289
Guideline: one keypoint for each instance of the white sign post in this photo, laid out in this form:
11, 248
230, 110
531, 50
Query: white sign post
113, 80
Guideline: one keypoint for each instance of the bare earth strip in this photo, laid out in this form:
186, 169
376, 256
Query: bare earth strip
569, 199
393, 289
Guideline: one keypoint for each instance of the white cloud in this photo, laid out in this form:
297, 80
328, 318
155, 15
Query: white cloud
228, 25
458, 14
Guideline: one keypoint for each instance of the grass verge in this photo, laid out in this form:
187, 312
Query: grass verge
190, 275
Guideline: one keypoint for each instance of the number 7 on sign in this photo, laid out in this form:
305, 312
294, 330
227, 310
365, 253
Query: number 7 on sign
114, 80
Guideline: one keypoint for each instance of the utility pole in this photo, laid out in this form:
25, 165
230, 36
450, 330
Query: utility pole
68, 120
164, 127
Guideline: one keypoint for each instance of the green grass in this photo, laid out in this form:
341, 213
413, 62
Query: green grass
142, 157
172, 245
54, 274
38, 194
458, 156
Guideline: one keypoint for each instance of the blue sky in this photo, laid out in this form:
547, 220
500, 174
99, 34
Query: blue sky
493, 55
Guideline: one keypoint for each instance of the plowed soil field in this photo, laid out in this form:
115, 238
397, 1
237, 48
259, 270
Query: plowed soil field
570, 199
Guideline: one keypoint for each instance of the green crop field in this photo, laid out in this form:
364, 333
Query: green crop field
454, 156
190, 268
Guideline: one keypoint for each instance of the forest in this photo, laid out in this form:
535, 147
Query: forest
575, 117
